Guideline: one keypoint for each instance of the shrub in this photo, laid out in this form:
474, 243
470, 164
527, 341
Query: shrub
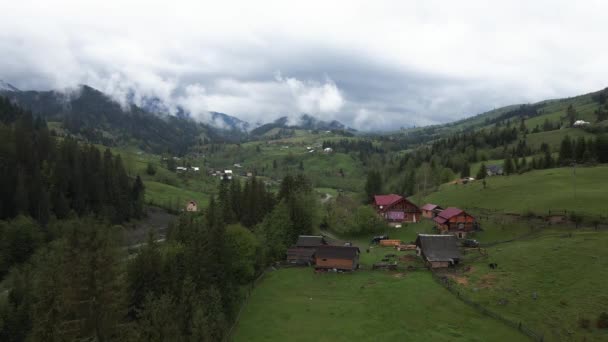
602, 321
150, 170
584, 323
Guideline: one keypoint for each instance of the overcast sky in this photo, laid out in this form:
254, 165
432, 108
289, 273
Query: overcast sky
372, 65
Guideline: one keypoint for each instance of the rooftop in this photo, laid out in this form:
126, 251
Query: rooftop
337, 252
450, 212
384, 200
310, 241
438, 247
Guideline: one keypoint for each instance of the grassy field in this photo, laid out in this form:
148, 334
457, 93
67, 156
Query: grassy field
538, 191
166, 188
298, 305
565, 270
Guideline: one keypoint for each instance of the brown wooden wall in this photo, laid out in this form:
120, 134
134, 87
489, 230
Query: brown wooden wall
341, 264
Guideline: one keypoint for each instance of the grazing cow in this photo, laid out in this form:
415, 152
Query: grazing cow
493, 266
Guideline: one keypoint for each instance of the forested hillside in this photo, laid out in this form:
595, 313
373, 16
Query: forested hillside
65, 273
93, 116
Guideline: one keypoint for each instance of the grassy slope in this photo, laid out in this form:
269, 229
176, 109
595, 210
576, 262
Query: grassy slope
298, 305
322, 169
165, 188
539, 191
568, 275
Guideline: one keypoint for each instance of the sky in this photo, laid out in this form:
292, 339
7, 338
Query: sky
373, 65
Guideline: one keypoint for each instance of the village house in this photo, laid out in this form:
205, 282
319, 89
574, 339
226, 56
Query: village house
396, 209
455, 221
302, 253
430, 210
438, 250
341, 258
494, 170
191, 206
581, 123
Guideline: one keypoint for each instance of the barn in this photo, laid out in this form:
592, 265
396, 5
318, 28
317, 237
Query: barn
455, 221
337, 257
430, 210
438, 251
300, 256
302, 253
395, 208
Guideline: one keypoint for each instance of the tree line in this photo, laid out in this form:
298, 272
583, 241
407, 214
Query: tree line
73, 280
43, 176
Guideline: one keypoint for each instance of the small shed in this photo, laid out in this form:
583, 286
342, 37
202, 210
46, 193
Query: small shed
438, 250
191, 206
430, 210
337, 257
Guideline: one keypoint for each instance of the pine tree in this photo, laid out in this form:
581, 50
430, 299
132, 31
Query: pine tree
579, 149
483, 171
466, 170
373, 185
566, 151
508, 166
137, 197
571, 114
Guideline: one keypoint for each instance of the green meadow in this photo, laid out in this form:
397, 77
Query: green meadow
298, 305
539, 191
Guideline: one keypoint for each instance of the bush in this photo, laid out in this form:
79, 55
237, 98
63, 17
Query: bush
150, 170
602, 321
584, 323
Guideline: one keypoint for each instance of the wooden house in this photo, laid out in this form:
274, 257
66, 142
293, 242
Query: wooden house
438, 250
396, 209
430, 210
337, 257
302, 253
455, 221
191, 206
301, 256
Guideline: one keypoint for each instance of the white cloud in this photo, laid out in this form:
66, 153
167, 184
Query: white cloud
407, 62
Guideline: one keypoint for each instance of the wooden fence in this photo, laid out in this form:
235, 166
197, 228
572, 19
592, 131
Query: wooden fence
520, 326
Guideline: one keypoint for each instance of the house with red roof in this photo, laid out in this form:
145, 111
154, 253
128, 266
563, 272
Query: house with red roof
396, 209
455, 221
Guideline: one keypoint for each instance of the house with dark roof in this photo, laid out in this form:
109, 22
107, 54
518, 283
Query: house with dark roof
342, 258
301, 256
494, 170
430, 210
455, 221
396, 209
438, 250
302, 253
310, 241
